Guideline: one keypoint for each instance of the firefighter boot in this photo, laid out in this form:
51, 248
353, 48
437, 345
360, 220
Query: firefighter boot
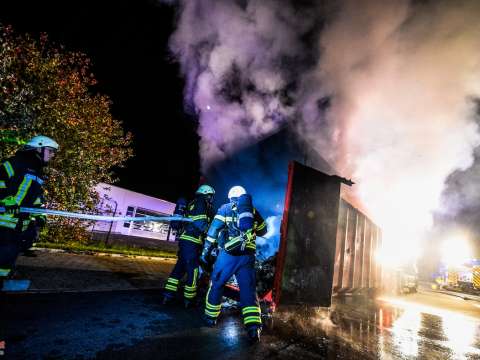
253, 333
168, 299
189, 303
209, 321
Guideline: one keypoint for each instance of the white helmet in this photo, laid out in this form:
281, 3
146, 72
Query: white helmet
205, 190
40, 141
236, 192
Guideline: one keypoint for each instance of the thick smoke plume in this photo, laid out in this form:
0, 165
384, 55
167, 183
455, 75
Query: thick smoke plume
384, 90
240, 61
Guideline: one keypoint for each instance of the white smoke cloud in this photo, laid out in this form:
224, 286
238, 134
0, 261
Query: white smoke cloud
403, 77
231, 55
382, 89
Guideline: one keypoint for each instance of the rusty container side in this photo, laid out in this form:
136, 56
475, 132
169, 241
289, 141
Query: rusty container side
359, 259
349, 248
369, 226
308, 240
373, 262
357, 241
379, 270
340, 246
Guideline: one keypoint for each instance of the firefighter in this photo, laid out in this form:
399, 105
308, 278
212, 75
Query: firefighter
200, 210
242, 223
21, 185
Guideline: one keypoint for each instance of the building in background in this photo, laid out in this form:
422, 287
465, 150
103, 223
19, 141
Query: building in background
116, 201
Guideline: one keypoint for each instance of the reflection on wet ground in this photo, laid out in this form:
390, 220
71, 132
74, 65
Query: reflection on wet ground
424, 325
134, 325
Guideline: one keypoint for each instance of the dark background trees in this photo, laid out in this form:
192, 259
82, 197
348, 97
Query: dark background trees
47, 90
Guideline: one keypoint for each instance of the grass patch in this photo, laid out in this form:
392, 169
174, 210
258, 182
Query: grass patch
112, 249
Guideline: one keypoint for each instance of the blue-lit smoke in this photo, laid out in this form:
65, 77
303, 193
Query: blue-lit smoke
263, 170
269, 243
265, 181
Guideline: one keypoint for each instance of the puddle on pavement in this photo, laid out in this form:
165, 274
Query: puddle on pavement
382, 330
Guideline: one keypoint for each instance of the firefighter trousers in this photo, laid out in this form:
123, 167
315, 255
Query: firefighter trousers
243, 267
9, 250
187, 264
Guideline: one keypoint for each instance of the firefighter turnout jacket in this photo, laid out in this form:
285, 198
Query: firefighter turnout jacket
224, 230
20, 185
201, 212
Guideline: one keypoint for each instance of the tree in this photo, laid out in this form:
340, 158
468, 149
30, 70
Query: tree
47, 90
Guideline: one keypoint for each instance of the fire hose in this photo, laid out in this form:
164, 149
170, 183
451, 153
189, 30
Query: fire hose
9, 136
73, 215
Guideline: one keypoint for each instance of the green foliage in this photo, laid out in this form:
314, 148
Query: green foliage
46, 90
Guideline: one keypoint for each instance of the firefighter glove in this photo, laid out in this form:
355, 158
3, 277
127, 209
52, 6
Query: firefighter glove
10, 205
249, 235
204, 257
40, 221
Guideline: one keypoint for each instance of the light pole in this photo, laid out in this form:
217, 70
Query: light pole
111, 223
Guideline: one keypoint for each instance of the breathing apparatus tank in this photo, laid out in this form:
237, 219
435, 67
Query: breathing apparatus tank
245, 212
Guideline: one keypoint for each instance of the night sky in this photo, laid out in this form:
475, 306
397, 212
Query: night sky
127, 41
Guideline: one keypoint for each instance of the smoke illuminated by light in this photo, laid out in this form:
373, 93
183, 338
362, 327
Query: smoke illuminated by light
456, 251
404, 105
272, 226
384, 91
269, 242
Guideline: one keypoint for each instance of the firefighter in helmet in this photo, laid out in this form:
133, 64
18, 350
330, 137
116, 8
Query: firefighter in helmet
21, 184
200, 211
242, 223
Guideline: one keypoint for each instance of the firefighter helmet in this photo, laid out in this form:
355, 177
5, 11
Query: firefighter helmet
236, 192
41, 141
205, 190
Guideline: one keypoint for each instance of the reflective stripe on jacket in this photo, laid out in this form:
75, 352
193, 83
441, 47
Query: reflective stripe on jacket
226, 220
20, 181
199, 210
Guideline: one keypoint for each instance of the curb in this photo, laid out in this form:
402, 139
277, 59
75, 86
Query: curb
79, 291
466, 297
98, 253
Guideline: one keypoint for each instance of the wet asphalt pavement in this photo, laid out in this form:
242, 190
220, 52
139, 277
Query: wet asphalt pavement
122, 325
426, 325
82, 306
134, 325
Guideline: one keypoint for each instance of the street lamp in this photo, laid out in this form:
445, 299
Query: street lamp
111, 223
